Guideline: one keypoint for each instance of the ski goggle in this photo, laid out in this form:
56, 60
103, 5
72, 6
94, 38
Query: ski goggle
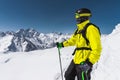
77, 15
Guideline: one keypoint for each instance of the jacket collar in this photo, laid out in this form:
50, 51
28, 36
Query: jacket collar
82, 25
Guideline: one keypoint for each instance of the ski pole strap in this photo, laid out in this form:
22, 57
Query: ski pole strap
81, 48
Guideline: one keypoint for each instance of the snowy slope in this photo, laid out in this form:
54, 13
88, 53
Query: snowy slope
109, 64
44, 64
35, 65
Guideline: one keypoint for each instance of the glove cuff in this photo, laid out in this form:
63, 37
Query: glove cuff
62, 44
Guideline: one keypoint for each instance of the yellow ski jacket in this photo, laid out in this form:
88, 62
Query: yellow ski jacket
93, 35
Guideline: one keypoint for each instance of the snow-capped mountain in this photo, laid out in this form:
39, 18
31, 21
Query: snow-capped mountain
28, 40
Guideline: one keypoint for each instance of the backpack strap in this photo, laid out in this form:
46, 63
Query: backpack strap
81, 48
83, 32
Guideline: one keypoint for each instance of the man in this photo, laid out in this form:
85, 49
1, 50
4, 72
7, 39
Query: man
88, 47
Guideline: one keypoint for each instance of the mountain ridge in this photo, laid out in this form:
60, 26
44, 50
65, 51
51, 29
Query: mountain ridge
25, 40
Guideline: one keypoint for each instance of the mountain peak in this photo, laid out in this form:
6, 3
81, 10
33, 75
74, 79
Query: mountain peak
31, 30
116, 30
26, 30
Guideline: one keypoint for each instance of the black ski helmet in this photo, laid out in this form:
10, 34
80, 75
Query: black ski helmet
83, 12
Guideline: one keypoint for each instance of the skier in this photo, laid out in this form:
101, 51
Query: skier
88, 47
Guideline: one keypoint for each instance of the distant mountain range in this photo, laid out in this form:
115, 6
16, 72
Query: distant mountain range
25, 40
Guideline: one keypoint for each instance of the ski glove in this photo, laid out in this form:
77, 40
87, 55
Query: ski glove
85, 66
59, 45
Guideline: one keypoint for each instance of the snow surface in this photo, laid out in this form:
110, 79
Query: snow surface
44, 64
5, 42
34, 65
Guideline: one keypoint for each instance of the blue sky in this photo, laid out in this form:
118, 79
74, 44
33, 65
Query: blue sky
56, 15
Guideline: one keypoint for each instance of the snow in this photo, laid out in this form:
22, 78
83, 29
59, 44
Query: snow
109, 65
5, 42
44, 64
34, 65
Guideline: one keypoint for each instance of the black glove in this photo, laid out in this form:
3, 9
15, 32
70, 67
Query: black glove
85, 66
59, 45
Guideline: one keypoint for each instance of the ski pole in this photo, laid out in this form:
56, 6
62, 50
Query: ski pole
60, 63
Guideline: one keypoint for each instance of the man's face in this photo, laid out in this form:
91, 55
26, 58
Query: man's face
81, 19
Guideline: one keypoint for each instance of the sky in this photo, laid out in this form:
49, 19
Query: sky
56, 15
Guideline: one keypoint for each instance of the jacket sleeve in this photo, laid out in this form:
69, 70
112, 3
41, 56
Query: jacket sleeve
95, 43
70, 42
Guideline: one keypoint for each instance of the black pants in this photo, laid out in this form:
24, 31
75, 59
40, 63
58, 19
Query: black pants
74, 70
